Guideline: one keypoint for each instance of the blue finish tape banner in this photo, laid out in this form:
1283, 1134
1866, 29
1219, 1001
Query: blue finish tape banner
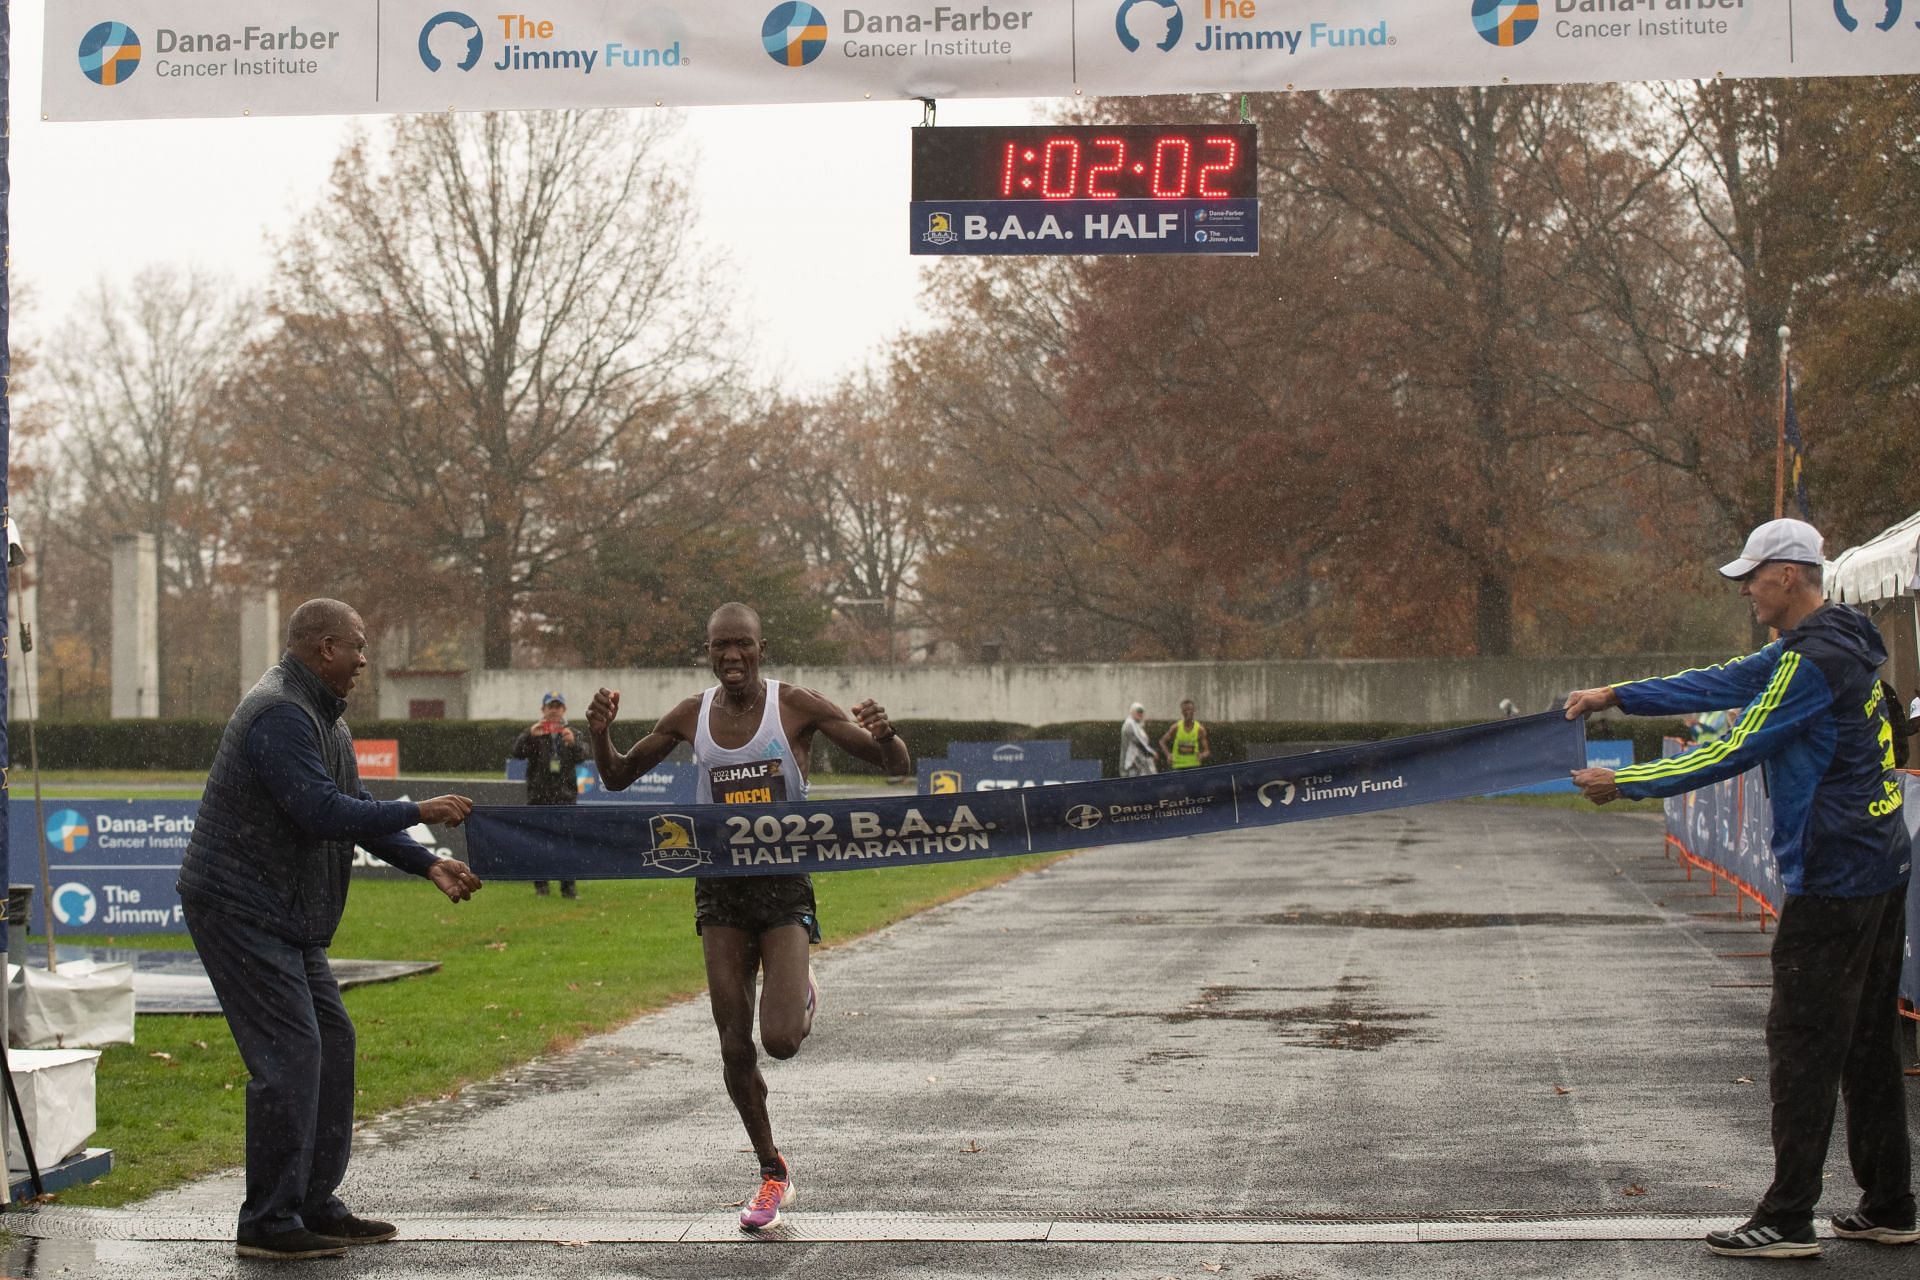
607, 842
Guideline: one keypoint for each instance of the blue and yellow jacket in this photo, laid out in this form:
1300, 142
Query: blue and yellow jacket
1816, 722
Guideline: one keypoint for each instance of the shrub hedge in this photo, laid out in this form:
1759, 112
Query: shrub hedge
429, 747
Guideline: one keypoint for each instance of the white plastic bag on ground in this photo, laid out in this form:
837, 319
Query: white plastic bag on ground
56, 1097
83, 1003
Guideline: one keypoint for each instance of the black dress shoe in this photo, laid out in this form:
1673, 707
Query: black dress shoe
287, 1246
352, 1230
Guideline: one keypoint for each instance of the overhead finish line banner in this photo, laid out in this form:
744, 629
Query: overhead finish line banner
606, 842
145, 59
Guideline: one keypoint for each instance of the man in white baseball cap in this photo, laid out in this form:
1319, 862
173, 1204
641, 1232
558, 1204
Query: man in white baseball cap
1788, 541
1816, 722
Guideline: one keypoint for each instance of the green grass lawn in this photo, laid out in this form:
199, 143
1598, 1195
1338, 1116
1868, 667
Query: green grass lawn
520, 976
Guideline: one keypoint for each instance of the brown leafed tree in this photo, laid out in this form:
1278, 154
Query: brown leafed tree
496, 344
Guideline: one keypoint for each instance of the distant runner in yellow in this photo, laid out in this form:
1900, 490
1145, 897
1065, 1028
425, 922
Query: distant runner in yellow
1185, 740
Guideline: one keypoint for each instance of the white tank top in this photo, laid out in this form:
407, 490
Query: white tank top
769, 742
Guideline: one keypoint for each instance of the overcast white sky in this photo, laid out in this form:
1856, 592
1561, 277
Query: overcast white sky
818, 246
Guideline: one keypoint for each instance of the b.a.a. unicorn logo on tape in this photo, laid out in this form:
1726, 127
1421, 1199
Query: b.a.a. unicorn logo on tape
674, 848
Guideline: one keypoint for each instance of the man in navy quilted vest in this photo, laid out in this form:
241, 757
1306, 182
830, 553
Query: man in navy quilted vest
263, 885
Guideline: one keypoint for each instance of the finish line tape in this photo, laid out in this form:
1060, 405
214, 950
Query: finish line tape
629, 842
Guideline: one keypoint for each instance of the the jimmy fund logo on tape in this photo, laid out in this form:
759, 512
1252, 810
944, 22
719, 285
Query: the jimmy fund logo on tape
756, 782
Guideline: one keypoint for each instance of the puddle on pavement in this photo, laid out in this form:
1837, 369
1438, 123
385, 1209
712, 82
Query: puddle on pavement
30, 1259
1348, 1019
576, 1070
1447, 919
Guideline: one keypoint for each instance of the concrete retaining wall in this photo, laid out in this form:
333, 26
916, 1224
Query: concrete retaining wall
1327, 692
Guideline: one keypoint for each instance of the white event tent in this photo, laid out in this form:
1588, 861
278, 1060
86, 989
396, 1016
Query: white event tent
1882, 575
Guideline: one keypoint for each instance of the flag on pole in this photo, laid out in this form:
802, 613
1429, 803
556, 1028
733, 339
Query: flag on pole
1796, 455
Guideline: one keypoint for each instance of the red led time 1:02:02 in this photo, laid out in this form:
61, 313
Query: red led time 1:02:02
1053, 169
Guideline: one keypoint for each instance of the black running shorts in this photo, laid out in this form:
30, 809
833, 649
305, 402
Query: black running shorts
755, 903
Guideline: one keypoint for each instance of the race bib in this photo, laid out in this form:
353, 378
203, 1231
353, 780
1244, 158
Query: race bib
760, 782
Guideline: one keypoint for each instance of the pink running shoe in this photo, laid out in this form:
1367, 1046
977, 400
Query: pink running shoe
763, 1211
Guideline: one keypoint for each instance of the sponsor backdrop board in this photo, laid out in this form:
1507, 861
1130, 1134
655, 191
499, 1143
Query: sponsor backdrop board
141, 59
113, 863
1004, 766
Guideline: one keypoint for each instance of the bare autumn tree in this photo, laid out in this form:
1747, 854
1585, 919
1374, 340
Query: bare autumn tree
131, 386
855, 499
497, 344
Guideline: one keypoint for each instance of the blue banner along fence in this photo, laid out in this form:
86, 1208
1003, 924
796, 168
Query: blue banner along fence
602, 843
1003, 766
113, 863
1724, 830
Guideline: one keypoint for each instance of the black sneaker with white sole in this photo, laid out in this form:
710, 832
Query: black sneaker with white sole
1858, 1226
1757, 1239
288, 1246
352, 1230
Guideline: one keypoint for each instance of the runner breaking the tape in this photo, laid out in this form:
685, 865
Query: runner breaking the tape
752, 739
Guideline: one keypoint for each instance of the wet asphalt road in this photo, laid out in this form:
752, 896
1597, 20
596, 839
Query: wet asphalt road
1454, 1010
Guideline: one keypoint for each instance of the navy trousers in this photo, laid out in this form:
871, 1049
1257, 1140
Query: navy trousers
1834, 1031
284, 1009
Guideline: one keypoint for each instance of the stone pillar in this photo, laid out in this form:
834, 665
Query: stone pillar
261, 641
136, 628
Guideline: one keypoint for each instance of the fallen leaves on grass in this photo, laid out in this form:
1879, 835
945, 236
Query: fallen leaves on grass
496, 946
1743, 1079
1633, 1189
199, 1044
972, 1148
1561, 1091
164, 1057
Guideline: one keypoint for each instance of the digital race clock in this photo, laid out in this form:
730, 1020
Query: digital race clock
1085, 162
1086, 189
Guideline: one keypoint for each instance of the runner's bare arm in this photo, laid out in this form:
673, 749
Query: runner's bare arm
866, 734
619, 769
